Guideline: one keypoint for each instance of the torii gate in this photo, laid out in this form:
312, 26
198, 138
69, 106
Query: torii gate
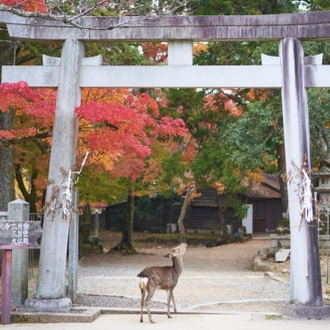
292, 73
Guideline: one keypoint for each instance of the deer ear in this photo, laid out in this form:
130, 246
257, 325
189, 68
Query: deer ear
169, 255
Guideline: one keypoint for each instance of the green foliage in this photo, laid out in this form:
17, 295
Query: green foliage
314, 5
274, 317
235, 53
189, 100
214, 165
319, 119
169, 192
173, 167
102, 11
35, 50
210, 164
243, 7
312, 48
239, 206
117, 53
253, 137
283, 227
98, 186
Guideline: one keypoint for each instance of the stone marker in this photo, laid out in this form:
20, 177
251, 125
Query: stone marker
282, 255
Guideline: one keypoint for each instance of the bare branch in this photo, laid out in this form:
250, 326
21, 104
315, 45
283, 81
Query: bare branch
58, 14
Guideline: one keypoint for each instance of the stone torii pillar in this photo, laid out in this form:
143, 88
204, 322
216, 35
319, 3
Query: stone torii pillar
305, 282
51, 283
306, 288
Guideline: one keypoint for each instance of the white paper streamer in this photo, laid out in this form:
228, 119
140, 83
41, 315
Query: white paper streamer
306, 197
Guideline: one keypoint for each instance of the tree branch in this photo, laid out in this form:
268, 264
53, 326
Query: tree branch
4, 143
57, 14
71, 19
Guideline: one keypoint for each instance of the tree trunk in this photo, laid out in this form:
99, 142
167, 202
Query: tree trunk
222, 208
186, 202
280, 150
127, 233
30, 197
7, 192
8, 51
126, 243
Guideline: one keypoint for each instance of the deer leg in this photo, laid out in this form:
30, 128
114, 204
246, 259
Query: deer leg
174, 305
169, 297
143, 294
150, 294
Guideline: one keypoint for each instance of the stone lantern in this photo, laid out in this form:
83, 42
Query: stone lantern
323, 188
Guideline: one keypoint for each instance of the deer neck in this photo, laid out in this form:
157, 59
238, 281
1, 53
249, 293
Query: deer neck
178, 264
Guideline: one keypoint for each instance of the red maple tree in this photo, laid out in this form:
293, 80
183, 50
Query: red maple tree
116, 127
121, 123
37, 6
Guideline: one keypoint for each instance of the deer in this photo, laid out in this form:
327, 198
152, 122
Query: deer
161, 278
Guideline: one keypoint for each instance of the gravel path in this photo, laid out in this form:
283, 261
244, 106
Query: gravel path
215, 279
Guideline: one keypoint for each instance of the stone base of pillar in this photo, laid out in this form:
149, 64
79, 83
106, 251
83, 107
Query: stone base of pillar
307, 312
48, 305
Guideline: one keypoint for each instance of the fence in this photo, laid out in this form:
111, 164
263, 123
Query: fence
33, 253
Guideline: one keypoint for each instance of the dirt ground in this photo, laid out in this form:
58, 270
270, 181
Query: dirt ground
217, 279
214, 279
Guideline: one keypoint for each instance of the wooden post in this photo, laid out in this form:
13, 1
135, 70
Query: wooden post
96, 224
6, 286
73, 250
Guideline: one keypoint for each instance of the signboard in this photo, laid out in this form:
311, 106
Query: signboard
14, 235
20, 234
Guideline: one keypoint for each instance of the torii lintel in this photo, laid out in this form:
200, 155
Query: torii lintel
304, 26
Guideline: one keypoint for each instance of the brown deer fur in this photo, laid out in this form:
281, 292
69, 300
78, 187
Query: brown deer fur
161, 278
